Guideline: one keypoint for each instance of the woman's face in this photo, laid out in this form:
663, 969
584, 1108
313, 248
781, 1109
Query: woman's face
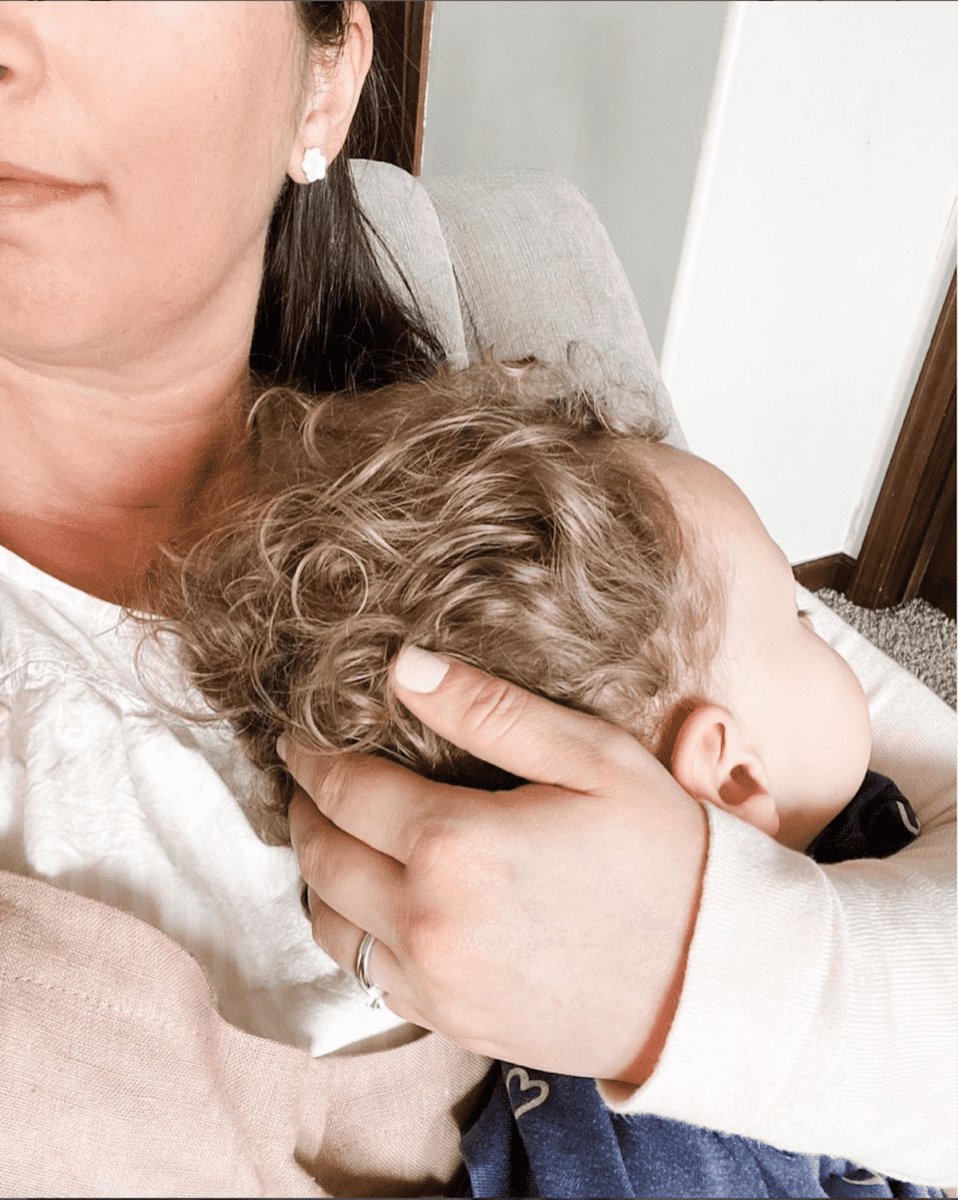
182, 118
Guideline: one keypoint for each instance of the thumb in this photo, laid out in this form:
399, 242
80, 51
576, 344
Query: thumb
509, 727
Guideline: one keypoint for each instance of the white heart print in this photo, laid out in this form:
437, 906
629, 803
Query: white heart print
525, 1083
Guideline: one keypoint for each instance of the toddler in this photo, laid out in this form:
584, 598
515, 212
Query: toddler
492, 516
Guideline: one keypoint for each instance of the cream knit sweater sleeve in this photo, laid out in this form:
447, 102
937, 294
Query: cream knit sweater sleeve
818, 1008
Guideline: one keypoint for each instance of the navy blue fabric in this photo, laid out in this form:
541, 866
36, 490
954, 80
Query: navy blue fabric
551, 1135
878, 822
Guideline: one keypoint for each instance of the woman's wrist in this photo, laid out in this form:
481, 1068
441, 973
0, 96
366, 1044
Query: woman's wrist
645, 1062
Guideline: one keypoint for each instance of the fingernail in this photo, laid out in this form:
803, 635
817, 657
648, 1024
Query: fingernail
282, 746
418, 670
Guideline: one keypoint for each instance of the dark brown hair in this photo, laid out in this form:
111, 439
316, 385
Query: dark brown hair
481, 514
327, 319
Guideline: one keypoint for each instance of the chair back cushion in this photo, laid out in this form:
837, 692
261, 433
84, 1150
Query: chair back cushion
519, 261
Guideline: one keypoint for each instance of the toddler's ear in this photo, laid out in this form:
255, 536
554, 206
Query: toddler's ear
712, 763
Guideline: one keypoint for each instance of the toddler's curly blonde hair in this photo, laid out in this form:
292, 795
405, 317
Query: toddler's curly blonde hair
478, 514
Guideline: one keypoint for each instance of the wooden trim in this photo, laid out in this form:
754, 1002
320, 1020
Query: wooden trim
420, 26
833, 571
401, 30
915, 494
938, 585
935, 528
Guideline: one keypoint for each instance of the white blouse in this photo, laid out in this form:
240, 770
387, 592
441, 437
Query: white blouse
105, 791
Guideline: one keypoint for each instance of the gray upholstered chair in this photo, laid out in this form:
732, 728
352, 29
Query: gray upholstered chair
520, 261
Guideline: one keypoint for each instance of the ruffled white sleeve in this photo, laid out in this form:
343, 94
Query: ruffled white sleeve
818, 1008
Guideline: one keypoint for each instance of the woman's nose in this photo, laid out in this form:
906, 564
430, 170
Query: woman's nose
21, 52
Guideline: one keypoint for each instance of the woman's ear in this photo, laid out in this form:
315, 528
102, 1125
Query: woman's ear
336, 81
711, 762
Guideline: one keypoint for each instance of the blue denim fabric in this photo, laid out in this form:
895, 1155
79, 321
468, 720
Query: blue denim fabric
551, 1135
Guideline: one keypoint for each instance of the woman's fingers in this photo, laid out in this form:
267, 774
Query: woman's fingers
341, 940
377, 801
351, 877
504, 725
391, 809
360, 881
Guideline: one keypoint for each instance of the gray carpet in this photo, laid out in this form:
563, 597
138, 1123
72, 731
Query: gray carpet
916, 635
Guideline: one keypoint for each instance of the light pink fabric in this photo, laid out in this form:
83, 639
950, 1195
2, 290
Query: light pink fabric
120, 1078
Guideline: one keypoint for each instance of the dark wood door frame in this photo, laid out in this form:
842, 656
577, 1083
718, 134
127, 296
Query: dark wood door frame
918, 492
401, 32
908, 548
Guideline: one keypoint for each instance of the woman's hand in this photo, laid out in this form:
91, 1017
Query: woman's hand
547, 925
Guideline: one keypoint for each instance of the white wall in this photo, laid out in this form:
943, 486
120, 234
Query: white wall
612, 95
819, 243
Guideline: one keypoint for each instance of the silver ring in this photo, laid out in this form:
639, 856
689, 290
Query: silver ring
373, 994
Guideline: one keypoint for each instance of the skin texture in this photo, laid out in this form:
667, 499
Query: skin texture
126, 314
775, 688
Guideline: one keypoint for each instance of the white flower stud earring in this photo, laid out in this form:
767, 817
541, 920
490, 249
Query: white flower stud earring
314, 164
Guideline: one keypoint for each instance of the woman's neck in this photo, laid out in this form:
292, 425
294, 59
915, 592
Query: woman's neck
96, 473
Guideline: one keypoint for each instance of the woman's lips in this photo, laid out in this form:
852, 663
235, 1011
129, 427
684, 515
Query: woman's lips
20, 188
